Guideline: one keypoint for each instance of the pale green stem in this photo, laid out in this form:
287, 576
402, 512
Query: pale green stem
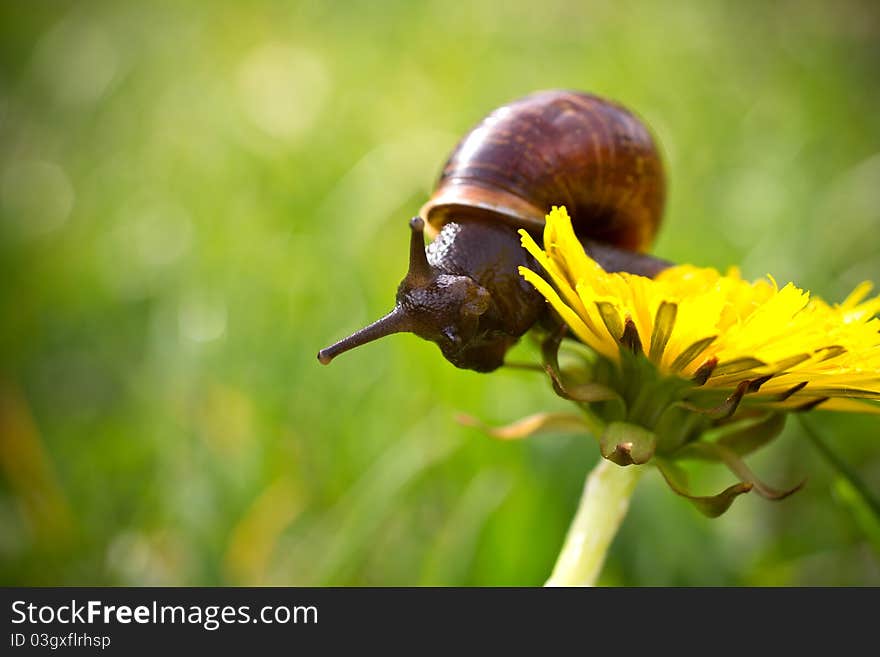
603, 506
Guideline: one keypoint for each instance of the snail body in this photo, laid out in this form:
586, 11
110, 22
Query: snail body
555, 147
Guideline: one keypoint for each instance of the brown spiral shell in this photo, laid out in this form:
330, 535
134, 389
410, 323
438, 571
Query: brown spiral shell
557, 148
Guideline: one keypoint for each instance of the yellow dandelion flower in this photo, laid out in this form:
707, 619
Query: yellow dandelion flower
692, 365
776, 348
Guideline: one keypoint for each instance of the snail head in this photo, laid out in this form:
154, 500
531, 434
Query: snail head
437, 306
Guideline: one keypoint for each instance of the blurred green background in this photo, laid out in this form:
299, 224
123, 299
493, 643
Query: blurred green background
196, 197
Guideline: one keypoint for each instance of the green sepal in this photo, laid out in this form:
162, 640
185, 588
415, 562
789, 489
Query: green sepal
707, 451
611, 318
738, 366
664, 322
742, 438
550, 347
685, 357
587, 392
711, 506
580, 392
751, 435
724, 410
630, 339
655, 395
677, 427
627, 444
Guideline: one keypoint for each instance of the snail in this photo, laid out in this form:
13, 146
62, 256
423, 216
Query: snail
463, 291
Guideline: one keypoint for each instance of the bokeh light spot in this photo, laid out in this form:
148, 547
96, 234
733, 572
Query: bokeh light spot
282, 89
37, 197
202, 317
77, 61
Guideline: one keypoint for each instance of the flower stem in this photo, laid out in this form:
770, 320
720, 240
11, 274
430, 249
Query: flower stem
602, 508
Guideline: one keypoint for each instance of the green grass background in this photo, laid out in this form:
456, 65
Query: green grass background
197, 196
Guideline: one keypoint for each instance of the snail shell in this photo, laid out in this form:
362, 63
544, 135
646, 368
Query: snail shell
557, 148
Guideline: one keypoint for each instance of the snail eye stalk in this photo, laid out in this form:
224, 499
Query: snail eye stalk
393, 322
419, 275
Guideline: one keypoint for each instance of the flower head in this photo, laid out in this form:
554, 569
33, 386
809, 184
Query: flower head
723, 331
695, 364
